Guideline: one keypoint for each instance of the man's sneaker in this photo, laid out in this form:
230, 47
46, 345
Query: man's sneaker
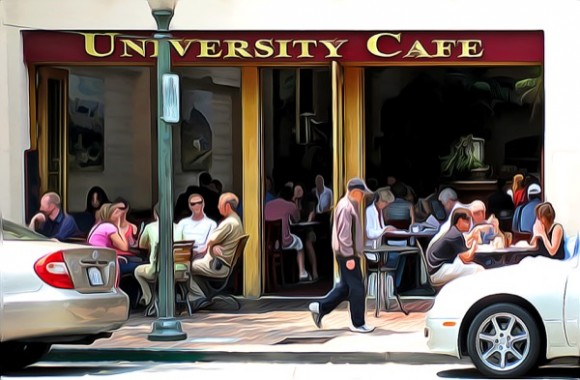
314, 308
362, 329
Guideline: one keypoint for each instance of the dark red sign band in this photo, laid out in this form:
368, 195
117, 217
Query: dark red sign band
288, 47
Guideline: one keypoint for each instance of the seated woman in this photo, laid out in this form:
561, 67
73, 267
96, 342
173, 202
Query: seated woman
127, 229
106, 233
96, 196
548, 237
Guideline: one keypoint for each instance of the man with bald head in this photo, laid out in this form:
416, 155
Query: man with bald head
51, 221
221, 246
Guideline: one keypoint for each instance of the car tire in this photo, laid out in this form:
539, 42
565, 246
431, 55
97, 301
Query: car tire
16, 355
491, 344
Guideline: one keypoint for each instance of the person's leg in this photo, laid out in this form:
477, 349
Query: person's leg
199, 267
309, 247
338, 294
143, 278
356, 294
301, 268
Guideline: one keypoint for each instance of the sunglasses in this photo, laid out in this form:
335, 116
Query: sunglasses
195, 203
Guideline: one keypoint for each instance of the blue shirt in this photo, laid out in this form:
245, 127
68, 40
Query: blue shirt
61, 228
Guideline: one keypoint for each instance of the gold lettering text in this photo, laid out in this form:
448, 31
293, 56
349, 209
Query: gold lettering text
470, 49
264, 48
134, 46
237, 49
207, 49
417, 51
283, 53
179, 47
333, 46
305, 47
372, 44
90, 43
444, 48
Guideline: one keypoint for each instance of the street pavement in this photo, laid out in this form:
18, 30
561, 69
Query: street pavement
267, 329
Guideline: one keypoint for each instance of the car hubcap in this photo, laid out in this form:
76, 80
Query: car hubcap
503, 341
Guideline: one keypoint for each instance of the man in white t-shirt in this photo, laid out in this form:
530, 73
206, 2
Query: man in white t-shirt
196, 227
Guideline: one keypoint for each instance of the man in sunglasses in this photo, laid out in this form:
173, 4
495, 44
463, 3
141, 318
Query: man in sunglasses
197, 226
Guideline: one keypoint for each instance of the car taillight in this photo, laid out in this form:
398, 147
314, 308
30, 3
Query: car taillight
52, 270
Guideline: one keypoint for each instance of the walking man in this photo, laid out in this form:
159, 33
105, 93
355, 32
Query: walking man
347, 245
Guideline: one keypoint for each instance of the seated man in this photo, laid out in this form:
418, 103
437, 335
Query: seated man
450, 257
197, 226
221, 246
51, 221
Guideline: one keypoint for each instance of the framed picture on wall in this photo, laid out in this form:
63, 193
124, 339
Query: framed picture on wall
196, 131
86, 123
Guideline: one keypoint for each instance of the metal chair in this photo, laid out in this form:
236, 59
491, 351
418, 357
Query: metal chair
217, 288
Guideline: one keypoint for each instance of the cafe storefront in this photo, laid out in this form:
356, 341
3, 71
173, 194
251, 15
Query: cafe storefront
288, 105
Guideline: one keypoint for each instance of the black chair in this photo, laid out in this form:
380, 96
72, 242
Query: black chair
274, 258
217, 288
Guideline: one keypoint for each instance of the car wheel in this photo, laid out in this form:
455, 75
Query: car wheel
16, 355
503, 341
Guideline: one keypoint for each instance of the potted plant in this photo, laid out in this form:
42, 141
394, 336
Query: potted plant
465, 159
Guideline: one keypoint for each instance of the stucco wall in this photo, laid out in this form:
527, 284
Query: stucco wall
558, 20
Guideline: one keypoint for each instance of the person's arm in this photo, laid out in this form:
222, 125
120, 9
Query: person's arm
179, 231
468, 256
373, 229
295, 215
325, 201
218, 236
344, 232
553, 245
36, 221
68, 229
412, 213
118, 240
144, 239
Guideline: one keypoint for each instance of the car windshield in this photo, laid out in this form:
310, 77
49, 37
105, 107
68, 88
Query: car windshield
13, 231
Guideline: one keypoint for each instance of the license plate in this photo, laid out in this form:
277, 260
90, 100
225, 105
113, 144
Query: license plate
95, 277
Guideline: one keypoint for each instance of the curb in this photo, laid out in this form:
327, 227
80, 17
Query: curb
177, 356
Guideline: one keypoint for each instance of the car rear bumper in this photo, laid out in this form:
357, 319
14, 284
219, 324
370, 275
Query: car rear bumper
58, 312
443, 339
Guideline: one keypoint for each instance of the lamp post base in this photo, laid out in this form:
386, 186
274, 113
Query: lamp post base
167, 330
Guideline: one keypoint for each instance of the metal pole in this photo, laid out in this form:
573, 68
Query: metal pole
166, 327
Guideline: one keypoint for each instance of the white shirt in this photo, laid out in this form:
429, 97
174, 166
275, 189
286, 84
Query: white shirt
375, 225
324, 200
197, 230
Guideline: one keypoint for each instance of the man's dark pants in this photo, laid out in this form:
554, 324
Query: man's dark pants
350, 287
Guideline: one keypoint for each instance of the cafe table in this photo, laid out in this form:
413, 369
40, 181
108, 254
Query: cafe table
379, 257
491, 257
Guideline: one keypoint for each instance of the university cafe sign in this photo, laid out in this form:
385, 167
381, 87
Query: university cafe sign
238, 48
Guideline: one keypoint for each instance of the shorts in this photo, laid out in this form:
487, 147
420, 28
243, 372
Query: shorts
296, 243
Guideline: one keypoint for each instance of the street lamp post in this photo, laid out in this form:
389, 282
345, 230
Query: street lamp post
166, 327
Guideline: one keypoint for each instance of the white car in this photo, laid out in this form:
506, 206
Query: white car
509, 320
52, 292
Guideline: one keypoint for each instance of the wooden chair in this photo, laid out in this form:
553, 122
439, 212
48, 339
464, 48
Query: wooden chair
217, 288
182, 264
274, 255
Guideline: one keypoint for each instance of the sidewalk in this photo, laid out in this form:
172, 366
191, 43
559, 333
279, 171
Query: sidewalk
265, 326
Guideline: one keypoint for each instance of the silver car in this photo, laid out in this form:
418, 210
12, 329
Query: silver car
53, 292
